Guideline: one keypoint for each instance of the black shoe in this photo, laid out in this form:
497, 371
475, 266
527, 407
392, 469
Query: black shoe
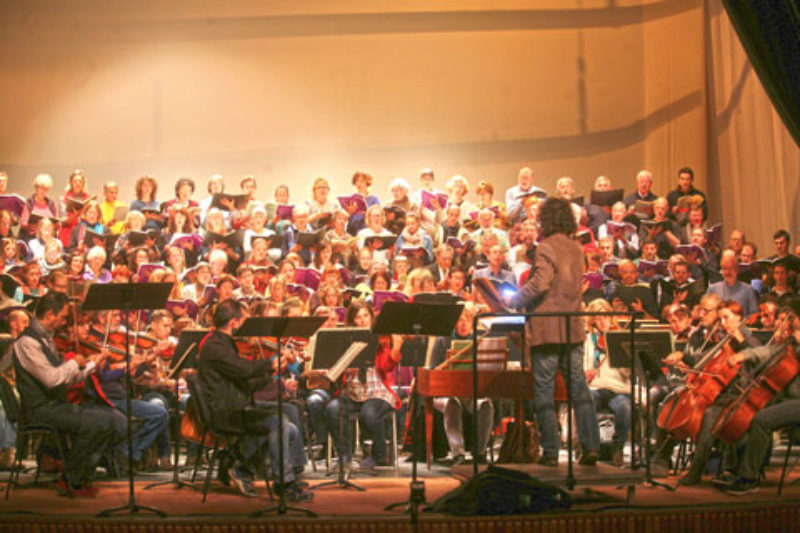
548, 461
459, 459
690, 479
293, 492
727, 479
742, 486
659, 469
243, 483
588, 459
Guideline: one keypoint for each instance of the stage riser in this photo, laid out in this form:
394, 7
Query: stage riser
782, 518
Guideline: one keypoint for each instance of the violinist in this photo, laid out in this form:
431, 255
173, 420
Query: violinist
228, 382
111, 377
783, 411
371, 396
610, 387
42, 379
738, 337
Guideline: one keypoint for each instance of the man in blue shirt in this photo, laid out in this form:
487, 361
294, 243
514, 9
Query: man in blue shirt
730, 288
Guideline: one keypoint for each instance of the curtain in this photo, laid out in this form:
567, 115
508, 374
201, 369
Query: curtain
770, 33
753, 160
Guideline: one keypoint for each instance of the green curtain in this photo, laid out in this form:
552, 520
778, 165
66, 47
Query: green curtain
770, 34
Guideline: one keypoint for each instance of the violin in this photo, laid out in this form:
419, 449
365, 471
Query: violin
85, 347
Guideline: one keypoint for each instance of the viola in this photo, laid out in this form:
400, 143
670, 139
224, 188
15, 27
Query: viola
770, 378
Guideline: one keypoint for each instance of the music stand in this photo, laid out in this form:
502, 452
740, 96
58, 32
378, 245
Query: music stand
403, 318
184, 356
328, 347
279, 327
651, 347
128, 297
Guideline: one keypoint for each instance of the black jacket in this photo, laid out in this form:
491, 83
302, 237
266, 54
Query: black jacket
227, 380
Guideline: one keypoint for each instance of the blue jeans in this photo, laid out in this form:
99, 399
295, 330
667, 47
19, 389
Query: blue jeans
162, 440
371, 416
153, 418
297, 448
546, 360
8, 434
316, 403
620, 405
250, 445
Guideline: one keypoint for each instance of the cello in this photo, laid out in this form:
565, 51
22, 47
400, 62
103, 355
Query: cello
769, 379
682, 412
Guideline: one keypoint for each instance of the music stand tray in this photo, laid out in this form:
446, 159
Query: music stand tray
128, 297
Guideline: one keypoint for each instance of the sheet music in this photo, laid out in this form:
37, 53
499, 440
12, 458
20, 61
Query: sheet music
344, 361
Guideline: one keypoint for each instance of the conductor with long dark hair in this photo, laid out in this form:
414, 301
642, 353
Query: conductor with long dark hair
555, 285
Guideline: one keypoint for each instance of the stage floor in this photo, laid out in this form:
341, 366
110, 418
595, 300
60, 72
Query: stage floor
602, 488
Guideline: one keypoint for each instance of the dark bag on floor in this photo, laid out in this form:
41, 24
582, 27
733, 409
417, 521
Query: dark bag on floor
501, 491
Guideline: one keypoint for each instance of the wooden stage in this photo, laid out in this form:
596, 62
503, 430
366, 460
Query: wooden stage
598, 505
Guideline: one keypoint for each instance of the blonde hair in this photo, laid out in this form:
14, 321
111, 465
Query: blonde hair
458, 179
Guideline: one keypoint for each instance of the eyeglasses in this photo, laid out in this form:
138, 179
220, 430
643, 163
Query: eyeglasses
703, 310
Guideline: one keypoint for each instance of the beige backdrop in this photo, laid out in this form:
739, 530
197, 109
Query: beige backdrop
289, 92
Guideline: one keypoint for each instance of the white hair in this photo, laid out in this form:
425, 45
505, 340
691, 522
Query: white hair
96, 251
43, 180
399, 182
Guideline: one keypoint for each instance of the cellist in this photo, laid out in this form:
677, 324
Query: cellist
731, 316
783, 411
701, 338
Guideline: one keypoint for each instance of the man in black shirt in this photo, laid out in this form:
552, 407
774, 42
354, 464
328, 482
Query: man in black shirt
228, 381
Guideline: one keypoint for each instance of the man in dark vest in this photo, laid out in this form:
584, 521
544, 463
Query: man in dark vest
42, 379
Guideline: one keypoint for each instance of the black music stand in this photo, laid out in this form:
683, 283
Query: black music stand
185, 356
279, 327
332, 341
416, 319
128, 297
650, 348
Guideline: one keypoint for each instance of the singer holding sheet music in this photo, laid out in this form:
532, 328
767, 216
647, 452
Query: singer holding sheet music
555, 285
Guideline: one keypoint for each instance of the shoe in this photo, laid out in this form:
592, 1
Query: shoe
7, 458
618, 458
164, 464
49, 464
588, 459
548, 461
659, 469
690, 479
459, 459
78, 491
368, 463
294, 492
243, 483
727, 479
742, 486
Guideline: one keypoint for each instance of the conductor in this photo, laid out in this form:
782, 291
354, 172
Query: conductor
554, 285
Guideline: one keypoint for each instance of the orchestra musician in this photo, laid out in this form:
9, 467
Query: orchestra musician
781, 412
228, 382
555, 285
454, 408
738, 337
610, 387
42, 380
